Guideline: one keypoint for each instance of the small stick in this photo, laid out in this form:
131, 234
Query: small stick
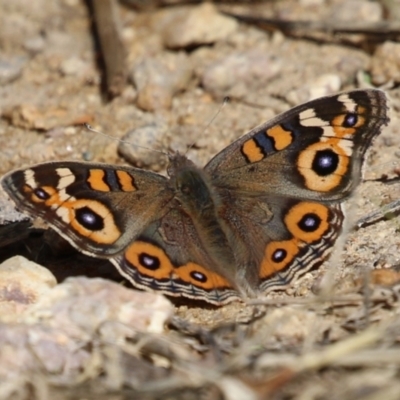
107, 25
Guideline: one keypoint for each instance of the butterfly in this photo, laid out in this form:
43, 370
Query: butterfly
260, 214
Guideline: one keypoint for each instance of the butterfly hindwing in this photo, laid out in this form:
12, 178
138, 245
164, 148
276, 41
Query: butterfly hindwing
170, 257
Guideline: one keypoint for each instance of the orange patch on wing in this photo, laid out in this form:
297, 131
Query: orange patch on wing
96, 182
343, 131
162, 267
314, 181
126, 181
269, 266
208, 280
282, 138
252, 151
52, 201
298, 211
51, 191
66, 211
340, 130
110, 232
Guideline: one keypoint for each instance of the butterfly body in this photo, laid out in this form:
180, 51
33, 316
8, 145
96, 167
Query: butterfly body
262, 212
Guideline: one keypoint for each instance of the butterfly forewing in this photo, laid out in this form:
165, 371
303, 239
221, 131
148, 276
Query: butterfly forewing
313, 151
99, 208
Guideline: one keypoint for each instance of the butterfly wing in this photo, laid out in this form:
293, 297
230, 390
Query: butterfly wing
314, 151
275, 191
280, 185
170, 257
277, 239
127, 215
98, 208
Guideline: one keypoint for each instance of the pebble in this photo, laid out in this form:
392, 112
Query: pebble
356, 10
240, 68
11, 69
22, 283
74, 66
385, 64
28, 116
158, 79
153, 138
183, 27
35, 44
324, 85
57, 334
88, 303
9, 214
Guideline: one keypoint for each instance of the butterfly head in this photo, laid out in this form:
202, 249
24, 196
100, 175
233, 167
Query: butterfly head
189, 182
177, 162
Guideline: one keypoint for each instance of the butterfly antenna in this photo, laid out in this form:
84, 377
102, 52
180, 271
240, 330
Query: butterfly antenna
90, 128
224, 103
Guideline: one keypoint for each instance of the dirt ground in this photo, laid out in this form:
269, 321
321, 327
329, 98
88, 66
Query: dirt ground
331, 335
